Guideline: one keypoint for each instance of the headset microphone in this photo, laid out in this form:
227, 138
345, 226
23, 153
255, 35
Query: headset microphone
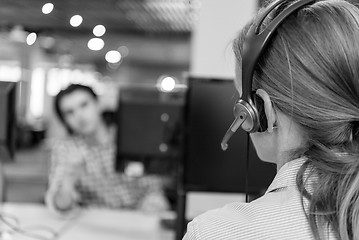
233, 128
249, 111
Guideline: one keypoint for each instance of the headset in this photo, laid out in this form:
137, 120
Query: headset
248, 110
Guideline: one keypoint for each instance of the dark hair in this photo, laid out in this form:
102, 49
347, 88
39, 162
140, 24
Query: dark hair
70, 89
310, 70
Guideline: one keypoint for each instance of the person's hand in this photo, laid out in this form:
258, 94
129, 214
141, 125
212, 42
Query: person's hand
67, 196
154, 203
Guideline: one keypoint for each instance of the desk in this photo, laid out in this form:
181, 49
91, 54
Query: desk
90, 224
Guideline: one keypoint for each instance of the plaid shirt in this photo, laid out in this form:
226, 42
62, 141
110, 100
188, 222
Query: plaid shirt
276, 215
99, 184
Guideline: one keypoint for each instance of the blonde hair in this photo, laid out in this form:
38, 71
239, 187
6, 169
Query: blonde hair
310, 69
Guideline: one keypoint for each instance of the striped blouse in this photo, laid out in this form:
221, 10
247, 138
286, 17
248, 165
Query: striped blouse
278, 214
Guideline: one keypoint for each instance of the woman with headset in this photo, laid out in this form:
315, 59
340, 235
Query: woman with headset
297, 73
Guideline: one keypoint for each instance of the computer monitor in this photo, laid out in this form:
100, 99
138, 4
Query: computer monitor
208, 114
7, 120
148, 121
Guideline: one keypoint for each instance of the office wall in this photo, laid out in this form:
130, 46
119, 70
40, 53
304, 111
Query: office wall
218, 23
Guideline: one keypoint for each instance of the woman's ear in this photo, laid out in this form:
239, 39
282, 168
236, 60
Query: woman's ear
268, 109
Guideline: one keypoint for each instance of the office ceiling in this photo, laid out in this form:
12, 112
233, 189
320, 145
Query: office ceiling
151, 29
156, 17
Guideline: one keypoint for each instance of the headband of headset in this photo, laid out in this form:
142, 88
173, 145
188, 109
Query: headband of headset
256, 40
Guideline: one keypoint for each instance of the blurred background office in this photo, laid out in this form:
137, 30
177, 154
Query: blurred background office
139, 56
107, 45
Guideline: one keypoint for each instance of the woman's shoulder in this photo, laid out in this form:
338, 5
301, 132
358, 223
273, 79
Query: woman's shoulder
266, 216
228, 222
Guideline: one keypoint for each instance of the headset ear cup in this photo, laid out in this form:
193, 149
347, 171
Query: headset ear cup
246, 112
262, 119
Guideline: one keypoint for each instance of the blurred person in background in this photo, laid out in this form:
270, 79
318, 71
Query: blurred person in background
83, 164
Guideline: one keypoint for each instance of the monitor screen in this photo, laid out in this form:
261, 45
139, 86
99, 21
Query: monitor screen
208, 115
7, 120
148, 121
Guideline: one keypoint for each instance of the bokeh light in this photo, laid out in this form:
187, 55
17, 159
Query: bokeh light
95, 44
76, 20
113, 56
47, 8
99, 30
31, 38
168, 84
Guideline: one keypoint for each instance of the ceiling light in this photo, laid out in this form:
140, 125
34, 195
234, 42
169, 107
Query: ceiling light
95, 44
31, 38
99, 30
167, 84
76, 20
47, 8
113, 56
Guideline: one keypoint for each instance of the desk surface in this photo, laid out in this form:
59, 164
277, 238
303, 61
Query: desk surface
89, 224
